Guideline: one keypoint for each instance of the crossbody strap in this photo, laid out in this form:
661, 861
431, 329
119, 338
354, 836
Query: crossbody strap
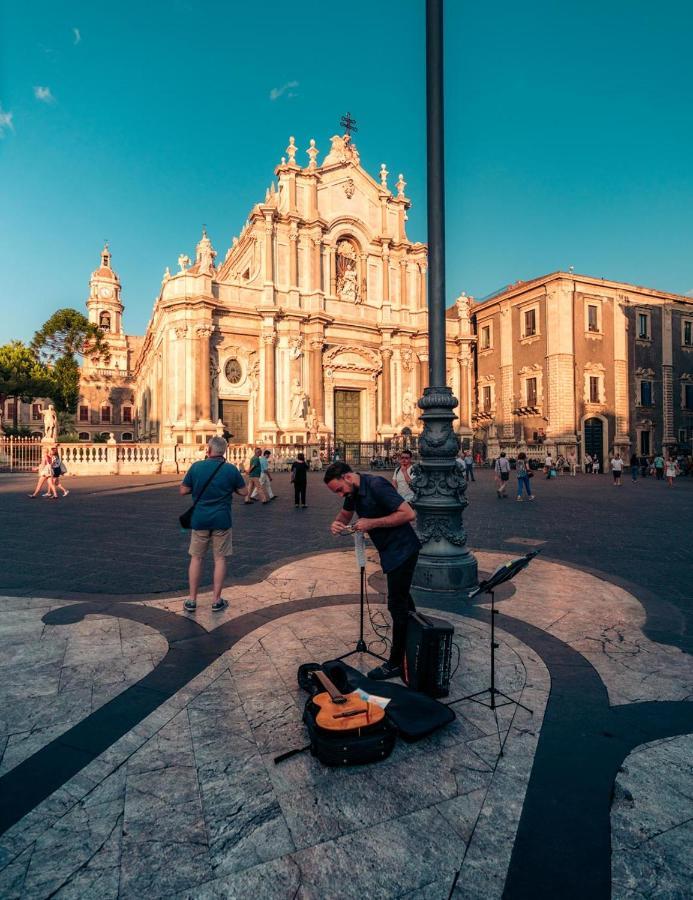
206, 484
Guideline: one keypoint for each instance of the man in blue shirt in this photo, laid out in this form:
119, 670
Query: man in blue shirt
387, 518
211, 518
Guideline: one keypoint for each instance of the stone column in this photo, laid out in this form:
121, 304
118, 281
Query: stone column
423, 302
269, 253
622, 437
423, 372
333, 271
559, 374
363, 276
293, 256
403, 283
465, 408
317, 400
667, 378
204, 387
386, 272
269, 340
386, 355
179, 396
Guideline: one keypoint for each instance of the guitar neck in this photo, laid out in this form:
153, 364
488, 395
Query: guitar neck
335, 695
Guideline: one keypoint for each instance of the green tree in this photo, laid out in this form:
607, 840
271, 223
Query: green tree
64, 338
68, 333
22, 375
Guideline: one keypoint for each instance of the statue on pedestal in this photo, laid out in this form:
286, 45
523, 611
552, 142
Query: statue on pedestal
298, 400
50, 423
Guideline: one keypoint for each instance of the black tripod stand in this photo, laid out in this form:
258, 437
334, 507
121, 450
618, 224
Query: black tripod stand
361, 646
500, 576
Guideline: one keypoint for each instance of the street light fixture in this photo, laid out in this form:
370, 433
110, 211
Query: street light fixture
446, 568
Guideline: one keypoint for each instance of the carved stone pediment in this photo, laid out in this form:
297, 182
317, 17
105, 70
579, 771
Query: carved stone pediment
352, 359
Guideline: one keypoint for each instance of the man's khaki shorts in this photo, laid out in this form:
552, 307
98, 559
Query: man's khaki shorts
222, 544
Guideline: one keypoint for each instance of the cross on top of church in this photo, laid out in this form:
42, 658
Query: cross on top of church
348, 123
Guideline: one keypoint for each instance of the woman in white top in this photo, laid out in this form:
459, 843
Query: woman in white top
595, 465
617, 468
672, 470
401, 480
45, 476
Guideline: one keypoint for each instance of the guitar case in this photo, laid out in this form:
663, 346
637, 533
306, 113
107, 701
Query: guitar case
343, 748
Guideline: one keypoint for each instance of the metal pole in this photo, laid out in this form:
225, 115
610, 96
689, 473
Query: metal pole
435, 141
446, 568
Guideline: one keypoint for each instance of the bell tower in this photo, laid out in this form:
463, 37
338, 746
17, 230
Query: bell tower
104, 305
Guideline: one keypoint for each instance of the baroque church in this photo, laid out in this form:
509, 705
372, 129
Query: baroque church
314, 327
314, 324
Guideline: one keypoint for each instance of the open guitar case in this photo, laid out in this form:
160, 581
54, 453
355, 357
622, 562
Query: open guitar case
409, 714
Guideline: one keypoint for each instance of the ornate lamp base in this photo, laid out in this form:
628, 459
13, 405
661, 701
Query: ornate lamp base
446, 568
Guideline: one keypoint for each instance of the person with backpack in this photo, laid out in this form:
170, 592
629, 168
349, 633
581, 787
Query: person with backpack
523, 475
502, 468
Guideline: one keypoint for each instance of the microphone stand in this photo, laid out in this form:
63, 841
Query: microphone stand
361, 646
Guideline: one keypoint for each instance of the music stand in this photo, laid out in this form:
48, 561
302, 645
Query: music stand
503, 573
360, 550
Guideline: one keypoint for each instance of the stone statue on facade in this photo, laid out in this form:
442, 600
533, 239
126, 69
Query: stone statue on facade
50, 423
349, 286
298, 400
313, 424
296, 348
407, 408
183, 262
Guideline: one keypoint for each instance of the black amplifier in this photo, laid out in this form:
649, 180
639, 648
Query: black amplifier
428, 655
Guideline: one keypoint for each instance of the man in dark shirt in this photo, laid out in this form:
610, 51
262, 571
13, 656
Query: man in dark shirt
211, 519
387, 519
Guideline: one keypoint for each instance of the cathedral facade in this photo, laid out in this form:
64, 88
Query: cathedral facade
314, 324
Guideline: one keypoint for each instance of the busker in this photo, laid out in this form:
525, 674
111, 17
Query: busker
387, 518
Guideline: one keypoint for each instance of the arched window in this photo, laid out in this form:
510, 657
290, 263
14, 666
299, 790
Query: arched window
105, 321
84, 435
126, 436
347, 276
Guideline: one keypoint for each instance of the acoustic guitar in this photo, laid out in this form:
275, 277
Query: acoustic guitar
343, 712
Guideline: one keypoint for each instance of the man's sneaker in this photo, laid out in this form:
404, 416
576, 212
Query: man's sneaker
219, 605
385, 671
190, 606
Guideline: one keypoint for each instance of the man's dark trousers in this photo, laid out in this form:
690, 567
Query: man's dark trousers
399, 604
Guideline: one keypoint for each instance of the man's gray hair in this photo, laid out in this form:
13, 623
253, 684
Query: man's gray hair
217, 445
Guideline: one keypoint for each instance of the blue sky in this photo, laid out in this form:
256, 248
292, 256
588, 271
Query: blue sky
568, 134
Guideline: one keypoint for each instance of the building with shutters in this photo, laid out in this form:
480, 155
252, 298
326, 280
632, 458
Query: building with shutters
568, 361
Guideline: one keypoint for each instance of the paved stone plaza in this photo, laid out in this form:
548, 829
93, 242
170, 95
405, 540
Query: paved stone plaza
138, 742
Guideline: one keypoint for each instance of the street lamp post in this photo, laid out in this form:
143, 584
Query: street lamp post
446, 568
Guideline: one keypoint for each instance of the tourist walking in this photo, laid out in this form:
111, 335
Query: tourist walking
387, 519
634, 466
45, 476
502, 468
299, 479
595, 465
523, 473
401, 480
58, 468
548, 465
617, 468
672, 470
212, 483
265, 477
588, 464
572, 463
658, 466
468, 461
254, 473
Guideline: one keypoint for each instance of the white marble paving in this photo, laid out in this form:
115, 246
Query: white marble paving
191, 804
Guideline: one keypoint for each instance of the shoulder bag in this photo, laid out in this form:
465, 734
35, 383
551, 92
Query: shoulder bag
185, 518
